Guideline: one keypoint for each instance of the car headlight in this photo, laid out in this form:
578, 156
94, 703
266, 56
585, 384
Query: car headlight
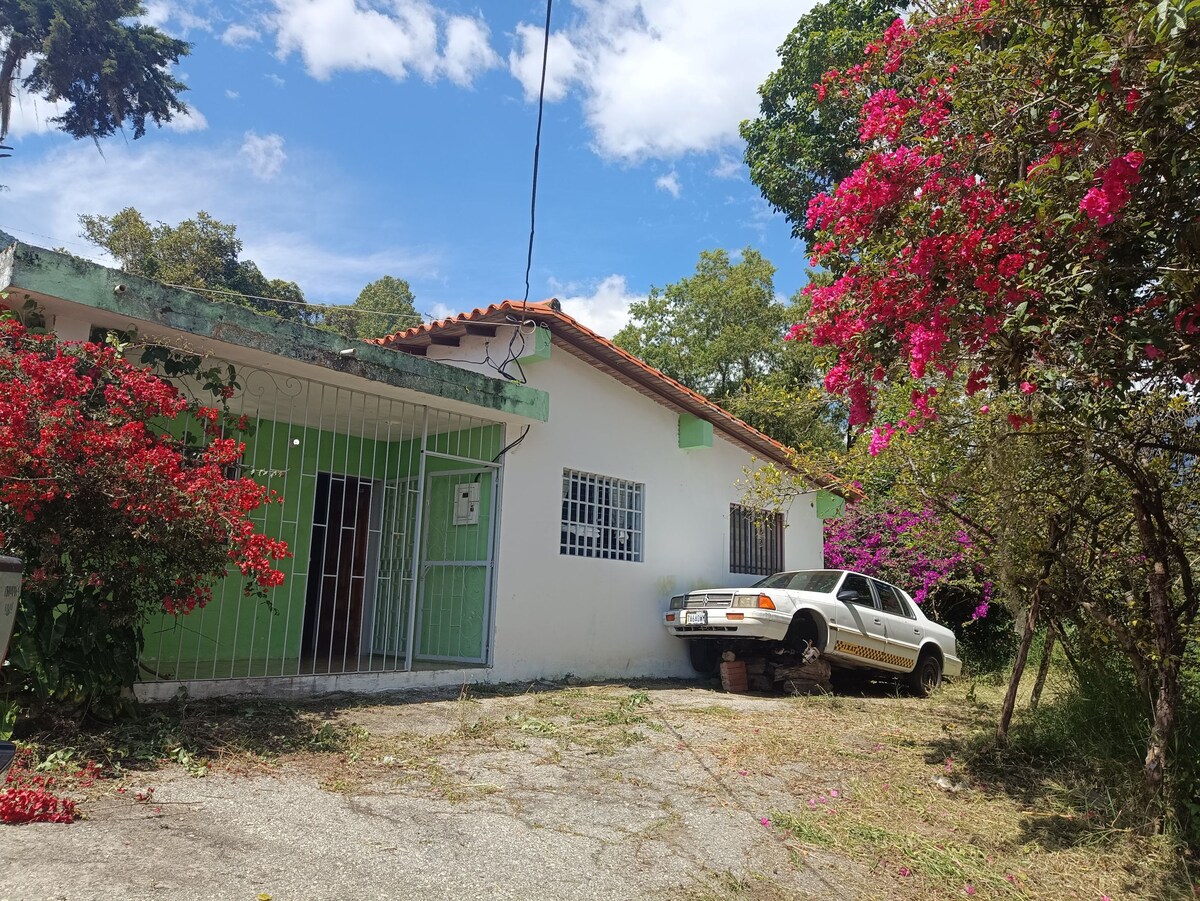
761, 601
678, 602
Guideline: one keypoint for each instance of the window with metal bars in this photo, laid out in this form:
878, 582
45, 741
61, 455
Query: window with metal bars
601, 517
755, 541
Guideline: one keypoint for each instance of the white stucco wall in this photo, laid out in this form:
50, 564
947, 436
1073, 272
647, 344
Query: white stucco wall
558, 614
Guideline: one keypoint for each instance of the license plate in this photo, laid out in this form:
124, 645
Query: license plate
696, 618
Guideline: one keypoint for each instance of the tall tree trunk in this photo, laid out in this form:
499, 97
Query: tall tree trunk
13, 55
1031, 618
1168, 643
1043, 667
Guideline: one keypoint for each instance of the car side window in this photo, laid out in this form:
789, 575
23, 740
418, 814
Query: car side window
856, 589
891, 600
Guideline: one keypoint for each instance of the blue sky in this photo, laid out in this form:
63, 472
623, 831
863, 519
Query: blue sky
351, 139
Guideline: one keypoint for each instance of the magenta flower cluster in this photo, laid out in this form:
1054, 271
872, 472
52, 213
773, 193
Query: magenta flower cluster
911, 548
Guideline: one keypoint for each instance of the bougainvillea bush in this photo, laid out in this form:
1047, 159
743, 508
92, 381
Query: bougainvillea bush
1017, 240
1023, 211
935, 561
113, 515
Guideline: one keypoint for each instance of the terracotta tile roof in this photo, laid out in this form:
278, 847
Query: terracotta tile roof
598, 351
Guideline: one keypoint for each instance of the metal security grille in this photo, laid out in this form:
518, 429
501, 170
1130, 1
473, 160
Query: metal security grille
601, 517
382, 574
755, 541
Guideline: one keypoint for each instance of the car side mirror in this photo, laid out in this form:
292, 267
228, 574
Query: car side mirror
848, 594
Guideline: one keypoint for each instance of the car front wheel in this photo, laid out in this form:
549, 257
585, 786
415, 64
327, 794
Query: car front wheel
926, 677
705, 655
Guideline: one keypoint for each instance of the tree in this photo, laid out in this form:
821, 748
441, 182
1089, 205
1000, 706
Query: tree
113, 513
715, 330
720, 333
1018, 241
382, 308
202, 254
798, 146
107, 67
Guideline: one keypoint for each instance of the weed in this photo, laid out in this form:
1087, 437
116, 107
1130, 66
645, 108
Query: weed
62, 759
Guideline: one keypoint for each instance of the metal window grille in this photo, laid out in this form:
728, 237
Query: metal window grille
601, 517
755, 541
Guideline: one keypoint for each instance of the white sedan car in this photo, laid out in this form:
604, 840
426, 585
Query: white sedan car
855, 621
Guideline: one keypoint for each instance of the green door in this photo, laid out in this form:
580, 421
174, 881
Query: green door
454, 611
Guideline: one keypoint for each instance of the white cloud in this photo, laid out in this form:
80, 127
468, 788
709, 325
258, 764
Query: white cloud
664, 78
564, 65
468, 50
232, 95
727, 167
31, 115
240, 35
264, 153
606, 309
330, 261
669, 183
192, 120
275, 79
402, 37
179, 16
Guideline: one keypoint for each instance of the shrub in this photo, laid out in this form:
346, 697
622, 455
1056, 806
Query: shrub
113, 515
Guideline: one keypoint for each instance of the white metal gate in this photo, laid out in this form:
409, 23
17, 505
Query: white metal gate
457, 552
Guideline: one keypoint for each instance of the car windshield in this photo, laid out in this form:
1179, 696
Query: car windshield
822, 580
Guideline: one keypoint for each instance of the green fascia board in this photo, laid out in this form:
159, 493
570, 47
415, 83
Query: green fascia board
828, 505
694, 432
538, 348
52, 274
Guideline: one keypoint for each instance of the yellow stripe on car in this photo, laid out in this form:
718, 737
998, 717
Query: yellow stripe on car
858, 650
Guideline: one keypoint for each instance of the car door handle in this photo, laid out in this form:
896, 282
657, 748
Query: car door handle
916, 631
878, 621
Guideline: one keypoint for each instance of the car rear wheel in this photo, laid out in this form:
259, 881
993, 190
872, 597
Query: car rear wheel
705, 655
926, 677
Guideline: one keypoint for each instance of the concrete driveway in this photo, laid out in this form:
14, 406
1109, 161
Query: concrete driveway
590, 793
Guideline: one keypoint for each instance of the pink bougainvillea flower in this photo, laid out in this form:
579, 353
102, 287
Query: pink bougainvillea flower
984, 408
969, 889
834, 793
1028, 387
905, 871
766, 821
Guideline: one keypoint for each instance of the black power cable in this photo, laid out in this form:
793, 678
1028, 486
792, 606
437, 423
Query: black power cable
537, 151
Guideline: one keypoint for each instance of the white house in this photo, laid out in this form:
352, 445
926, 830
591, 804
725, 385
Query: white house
448, 523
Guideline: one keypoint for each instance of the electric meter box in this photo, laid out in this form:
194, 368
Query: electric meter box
466, 504
10, 594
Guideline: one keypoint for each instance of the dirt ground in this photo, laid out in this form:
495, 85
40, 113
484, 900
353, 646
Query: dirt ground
550, 791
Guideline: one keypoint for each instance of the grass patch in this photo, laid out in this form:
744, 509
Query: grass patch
1016, 826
